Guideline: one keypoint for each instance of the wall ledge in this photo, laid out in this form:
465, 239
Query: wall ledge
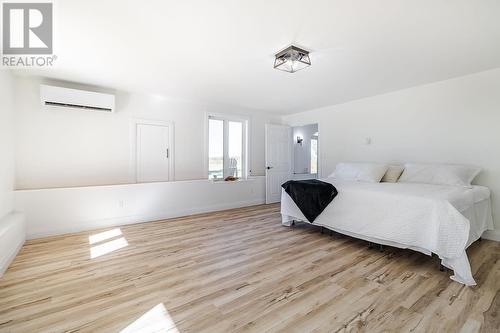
67, 210
12, 237
127, 185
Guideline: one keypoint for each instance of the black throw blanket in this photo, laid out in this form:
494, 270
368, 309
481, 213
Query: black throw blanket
311, 196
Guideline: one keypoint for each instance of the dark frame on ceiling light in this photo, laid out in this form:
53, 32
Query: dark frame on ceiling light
292, 59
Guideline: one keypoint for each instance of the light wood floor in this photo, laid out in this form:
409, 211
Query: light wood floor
240, 270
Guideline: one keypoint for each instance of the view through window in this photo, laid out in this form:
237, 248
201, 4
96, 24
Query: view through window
215, 148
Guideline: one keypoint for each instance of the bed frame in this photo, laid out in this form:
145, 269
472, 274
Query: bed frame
370, 244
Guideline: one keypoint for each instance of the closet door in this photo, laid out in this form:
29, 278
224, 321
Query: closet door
153, 153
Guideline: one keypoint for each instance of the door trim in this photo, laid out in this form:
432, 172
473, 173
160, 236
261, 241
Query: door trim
133, 146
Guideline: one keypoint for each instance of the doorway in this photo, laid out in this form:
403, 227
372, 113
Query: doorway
305, 141
291, 153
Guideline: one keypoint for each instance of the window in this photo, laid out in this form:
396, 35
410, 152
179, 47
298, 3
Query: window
227, 147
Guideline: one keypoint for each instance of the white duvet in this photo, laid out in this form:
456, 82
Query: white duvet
438, 219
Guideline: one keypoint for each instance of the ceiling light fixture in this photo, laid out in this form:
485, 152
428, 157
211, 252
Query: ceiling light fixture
292, 59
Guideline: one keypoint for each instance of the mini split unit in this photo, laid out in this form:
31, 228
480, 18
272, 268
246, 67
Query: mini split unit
76, 99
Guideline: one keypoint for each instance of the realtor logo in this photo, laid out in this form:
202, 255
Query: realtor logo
27, 28
27, 34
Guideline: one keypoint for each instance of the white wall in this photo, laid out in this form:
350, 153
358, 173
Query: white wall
62, 148
12, 229
62, 210
6, 143
453, 121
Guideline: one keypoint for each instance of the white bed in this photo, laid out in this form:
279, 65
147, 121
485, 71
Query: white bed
438, 219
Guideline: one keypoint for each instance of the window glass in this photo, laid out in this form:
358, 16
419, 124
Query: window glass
235, 149
215, 148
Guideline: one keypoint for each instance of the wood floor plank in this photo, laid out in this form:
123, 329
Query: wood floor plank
239, 270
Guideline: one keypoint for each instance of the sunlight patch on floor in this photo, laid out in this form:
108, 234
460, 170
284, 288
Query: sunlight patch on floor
156, 320
108, 247
104, 235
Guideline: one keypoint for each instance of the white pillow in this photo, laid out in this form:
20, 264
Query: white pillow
361, 172
393, 173
439, 174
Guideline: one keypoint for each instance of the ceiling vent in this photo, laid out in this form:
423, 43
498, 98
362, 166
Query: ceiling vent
76, 99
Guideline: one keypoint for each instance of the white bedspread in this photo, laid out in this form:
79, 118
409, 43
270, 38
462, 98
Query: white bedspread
425, 218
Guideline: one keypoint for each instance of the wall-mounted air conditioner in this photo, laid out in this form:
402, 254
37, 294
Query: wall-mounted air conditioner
76, 99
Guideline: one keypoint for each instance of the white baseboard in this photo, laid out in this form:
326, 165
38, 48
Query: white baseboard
492, 235
12, 237
78, 226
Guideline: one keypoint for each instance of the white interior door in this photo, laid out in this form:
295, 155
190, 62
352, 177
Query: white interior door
153, 153
278, 160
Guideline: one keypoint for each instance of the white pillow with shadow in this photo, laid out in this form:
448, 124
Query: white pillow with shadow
439, 174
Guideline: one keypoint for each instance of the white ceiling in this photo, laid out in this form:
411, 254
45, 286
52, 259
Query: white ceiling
222, 51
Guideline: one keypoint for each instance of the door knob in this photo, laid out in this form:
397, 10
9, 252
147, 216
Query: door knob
269, 167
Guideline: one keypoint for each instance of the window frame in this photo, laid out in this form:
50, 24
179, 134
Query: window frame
226, 118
